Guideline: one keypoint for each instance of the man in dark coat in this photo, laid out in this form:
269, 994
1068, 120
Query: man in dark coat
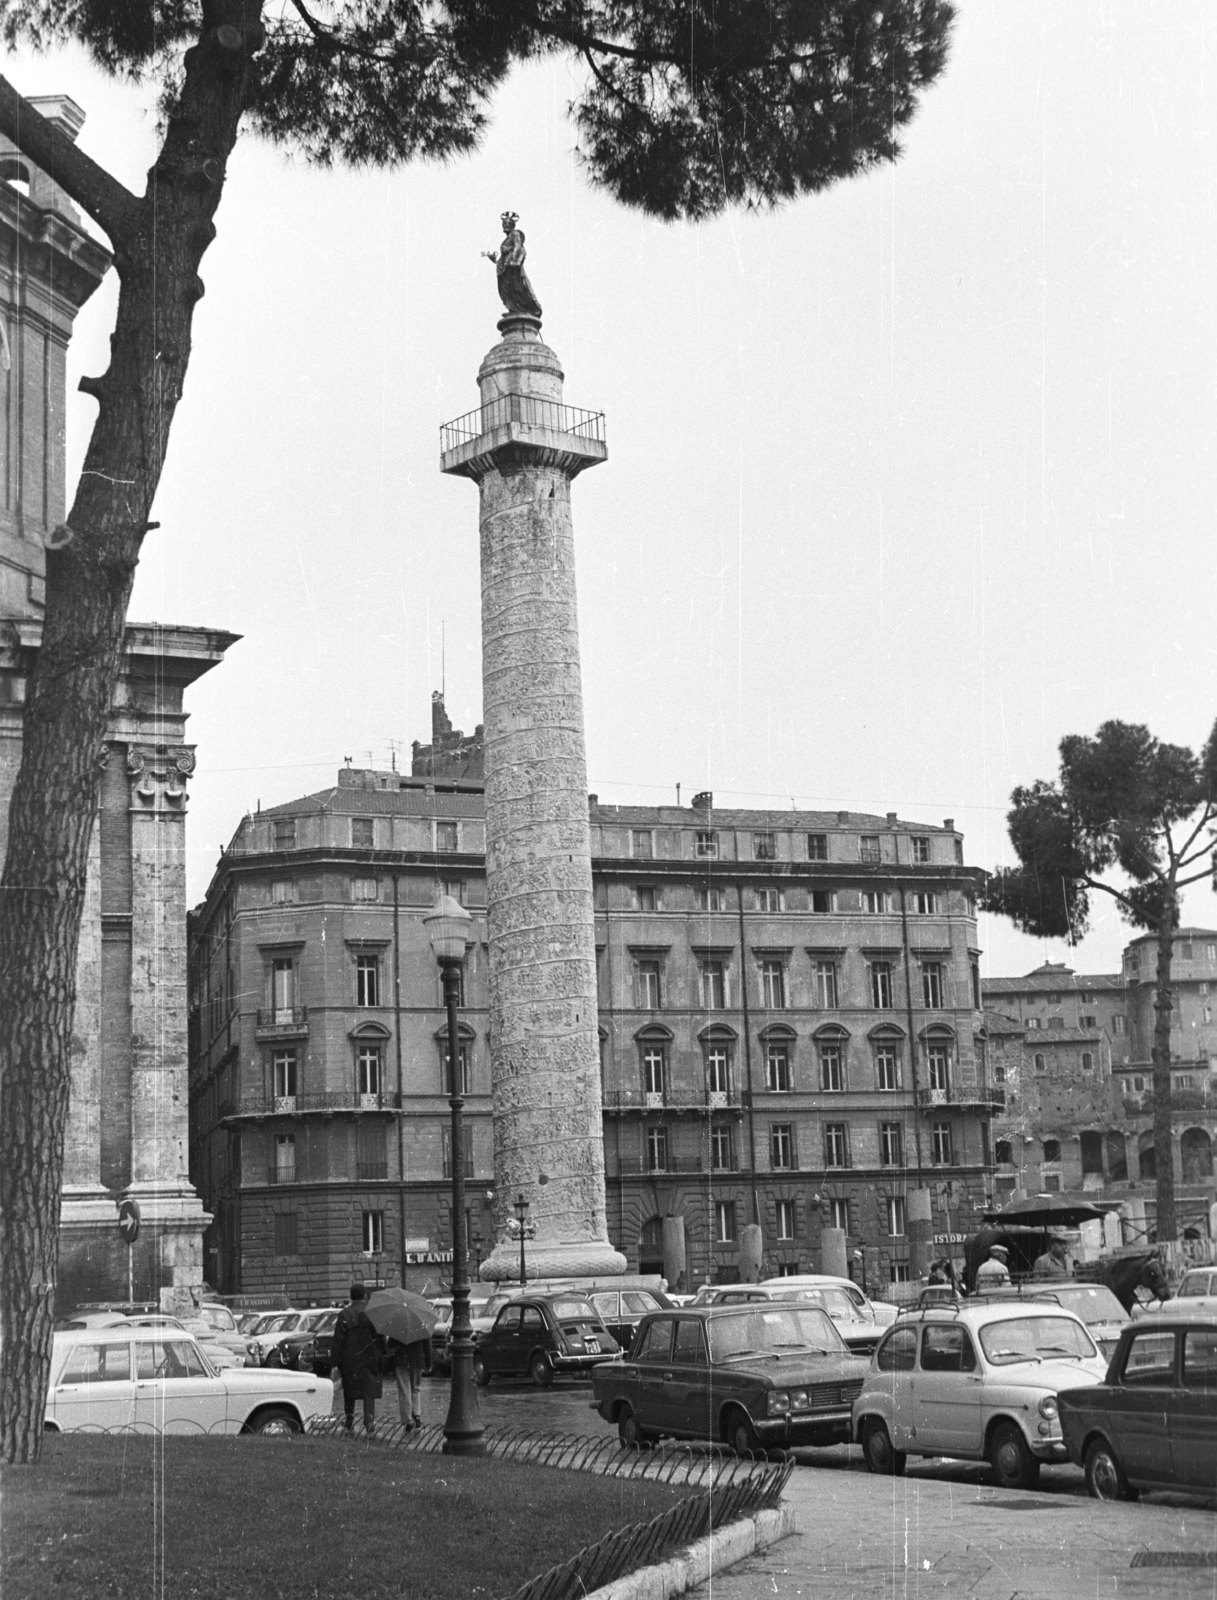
357, 1356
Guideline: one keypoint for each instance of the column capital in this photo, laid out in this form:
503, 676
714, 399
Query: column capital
158, 774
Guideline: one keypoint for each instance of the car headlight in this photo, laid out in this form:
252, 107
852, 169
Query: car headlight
1049, 1407
779, 1402
798, 1400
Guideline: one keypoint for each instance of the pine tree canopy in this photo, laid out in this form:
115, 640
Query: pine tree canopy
1118, 800
686, 106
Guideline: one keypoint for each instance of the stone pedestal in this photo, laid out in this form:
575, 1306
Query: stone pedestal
523, 447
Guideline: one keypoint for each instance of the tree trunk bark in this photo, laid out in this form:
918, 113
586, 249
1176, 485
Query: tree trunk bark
89, 578
1164, 1158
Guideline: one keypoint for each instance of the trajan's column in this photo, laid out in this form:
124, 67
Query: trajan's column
522, 447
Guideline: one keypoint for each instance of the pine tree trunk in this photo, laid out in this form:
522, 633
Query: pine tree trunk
89, 578
1164, 1158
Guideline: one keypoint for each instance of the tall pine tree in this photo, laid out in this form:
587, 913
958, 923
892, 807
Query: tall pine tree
687, 107
1127, 817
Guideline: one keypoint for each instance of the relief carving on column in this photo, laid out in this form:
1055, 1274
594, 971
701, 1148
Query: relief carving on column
158, 776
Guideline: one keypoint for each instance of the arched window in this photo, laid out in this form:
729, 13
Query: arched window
887, 1055
778, 1044
1087, 1061
1146, 1161
1040, 1064
718, 1053
832, 1056
654, 1045
1196, 1155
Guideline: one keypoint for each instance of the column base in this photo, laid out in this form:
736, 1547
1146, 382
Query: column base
585, 1258
87, 1205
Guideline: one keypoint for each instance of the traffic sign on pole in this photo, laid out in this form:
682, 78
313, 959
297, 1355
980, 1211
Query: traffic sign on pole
128, 1220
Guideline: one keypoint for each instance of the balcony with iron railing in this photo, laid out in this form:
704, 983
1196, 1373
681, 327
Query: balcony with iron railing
323, 1103
631, 1165
962, 1095
522, 424
280, 1175
372, 1171
618, 1102
281, 1022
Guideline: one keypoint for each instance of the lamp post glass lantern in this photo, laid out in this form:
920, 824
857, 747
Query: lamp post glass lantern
521, 1209
447, 926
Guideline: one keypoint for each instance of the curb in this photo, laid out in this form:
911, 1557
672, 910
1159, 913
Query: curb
701, 1561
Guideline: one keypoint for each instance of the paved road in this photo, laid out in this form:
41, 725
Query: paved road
942, 1532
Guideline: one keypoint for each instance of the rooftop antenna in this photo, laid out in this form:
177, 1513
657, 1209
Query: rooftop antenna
443, 664
394, 747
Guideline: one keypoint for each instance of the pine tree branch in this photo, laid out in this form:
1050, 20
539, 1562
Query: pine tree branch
1095, 883
1196, 877
111, 205
1205, 817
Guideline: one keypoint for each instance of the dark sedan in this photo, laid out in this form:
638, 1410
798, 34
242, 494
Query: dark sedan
754, 1376
538, 1336
1152, 1424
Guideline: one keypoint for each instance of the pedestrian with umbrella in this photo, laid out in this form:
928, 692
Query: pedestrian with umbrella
405, 1320
357, 1353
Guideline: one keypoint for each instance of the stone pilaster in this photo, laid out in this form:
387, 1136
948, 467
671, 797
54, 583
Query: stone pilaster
86, 1200
544, 1040
170, 1207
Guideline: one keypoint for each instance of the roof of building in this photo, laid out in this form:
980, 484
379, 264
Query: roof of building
364, 791
1060, 980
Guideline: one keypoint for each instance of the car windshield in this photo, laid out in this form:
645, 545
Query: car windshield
835, 1301
1195, 1283
765, 1330
279, 1324
1092, 1302
219, 1317
1035, 1339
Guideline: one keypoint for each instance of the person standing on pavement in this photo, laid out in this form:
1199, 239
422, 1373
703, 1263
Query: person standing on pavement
410, 1361
993, 1273
357, 1357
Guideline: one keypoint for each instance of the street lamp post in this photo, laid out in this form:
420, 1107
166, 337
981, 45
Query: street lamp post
447, 926
521, 1209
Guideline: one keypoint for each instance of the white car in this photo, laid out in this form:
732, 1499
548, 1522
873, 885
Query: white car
159, 1380
273, 1327
977, 1380
1196, 1295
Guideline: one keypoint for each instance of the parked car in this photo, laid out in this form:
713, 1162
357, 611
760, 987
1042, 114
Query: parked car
878, 1313
541, 1335
298, 1349
159, 1379
1098, 1308
622, 1310
977, 1380
214, 1323
1196, 1294
755, 1375
271, 1331
481, 1319
858, 1328
1152, 1422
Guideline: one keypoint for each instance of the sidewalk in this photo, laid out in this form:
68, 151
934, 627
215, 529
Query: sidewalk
928, 1535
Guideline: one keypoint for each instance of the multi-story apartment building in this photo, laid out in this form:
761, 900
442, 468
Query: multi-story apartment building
1073, 1053
789, 1011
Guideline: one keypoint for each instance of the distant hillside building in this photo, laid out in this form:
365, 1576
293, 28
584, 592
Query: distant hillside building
789, 1022
127, 1127
1074, 1054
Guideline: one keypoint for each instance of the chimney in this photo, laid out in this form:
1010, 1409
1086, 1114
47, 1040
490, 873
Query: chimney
703, 800
891, 816
842, 816
949, 824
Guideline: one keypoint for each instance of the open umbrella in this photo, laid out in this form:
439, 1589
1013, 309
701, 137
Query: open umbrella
402, 1315
1045, 1211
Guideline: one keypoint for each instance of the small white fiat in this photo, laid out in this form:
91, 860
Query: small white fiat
977, 1380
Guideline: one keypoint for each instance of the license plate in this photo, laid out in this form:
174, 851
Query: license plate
592, 1346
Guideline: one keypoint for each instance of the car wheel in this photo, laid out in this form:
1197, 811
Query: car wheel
631, 1435
1104, 1475
539, 1369
741, 1435
1014, 1466
481, 1372
881, 1455
277, 1421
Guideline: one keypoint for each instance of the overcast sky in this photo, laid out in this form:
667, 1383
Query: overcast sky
905, 481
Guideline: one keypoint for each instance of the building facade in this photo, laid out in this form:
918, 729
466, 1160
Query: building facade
788, 1018
1073, 1053
127, 1125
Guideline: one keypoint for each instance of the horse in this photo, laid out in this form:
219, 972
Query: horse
1124, 1275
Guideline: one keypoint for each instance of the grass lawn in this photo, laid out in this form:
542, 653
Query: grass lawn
294, 1519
